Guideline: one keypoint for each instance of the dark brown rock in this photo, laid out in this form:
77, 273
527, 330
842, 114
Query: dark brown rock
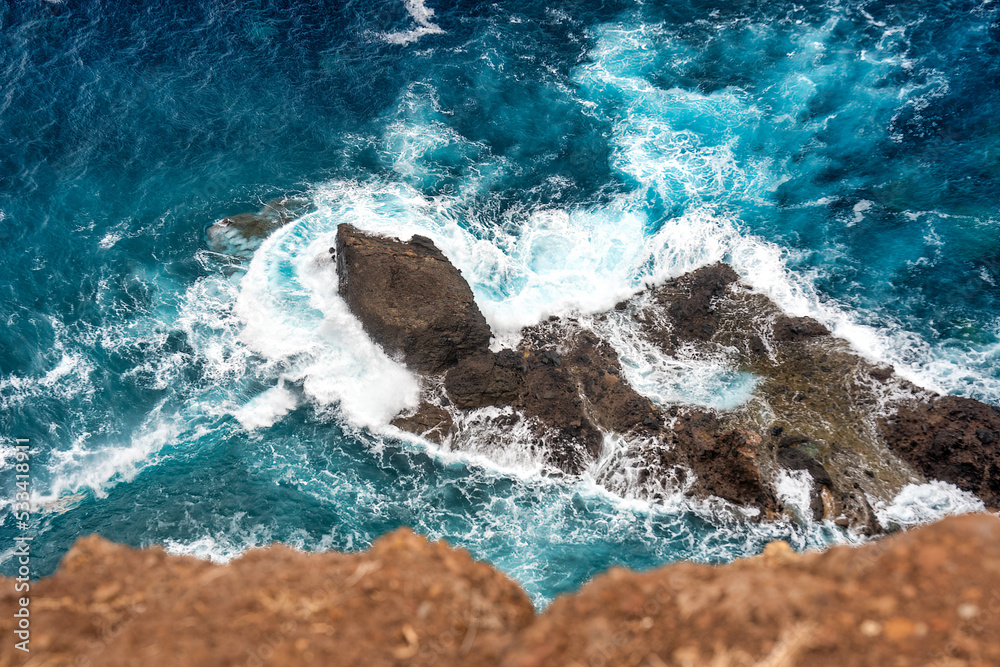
811, 387
693, 315
487, 379
573, 394
726, 464
429, 421
793, 458
411, 300
797, 328
953, 439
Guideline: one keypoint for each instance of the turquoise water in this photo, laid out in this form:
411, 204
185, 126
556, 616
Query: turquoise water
843, 156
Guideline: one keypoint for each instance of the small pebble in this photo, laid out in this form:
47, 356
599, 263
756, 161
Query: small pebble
871, 628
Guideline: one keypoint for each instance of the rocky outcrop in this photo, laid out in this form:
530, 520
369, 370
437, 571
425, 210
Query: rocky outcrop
930, 596
429, 421
566, 380
816, 402
410, 299
816, 408
952, 439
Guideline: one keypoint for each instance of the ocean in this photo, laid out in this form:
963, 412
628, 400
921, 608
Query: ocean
842, 156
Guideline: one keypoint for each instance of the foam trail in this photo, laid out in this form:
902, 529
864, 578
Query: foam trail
267, 408
421, 15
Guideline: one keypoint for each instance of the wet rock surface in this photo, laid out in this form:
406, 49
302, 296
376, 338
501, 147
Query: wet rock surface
817, 406
410, 299
816, 402
930, 596
952, 439
565, 379
429, 421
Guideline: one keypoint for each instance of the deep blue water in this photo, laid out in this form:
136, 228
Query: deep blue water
844, 156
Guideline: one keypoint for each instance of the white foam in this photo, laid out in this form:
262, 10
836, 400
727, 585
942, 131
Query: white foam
690, 377
205, 548
859, 210
924, 503
230, 543
421, 15
293, 316
95, 463
109, 240
267, 408
794, 488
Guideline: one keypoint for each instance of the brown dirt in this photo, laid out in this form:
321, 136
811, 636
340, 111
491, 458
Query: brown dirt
930, 596
403, 602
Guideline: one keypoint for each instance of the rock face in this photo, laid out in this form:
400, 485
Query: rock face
903, 601
816, 402
817, 408
565, 379
410, 299
930, 596
403, 602
952, 439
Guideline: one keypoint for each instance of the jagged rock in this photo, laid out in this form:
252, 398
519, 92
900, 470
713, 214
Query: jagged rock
797, 328
411, 300
726, 463
929, 596
487, 379
573, 393
566, 384
694, 315
791, 457
429, 421
811, 386
953, 439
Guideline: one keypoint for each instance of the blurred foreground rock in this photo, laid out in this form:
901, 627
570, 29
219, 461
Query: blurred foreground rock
927, 597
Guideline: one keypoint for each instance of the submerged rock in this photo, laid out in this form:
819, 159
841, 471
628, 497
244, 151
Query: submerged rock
243, 233
411, 300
